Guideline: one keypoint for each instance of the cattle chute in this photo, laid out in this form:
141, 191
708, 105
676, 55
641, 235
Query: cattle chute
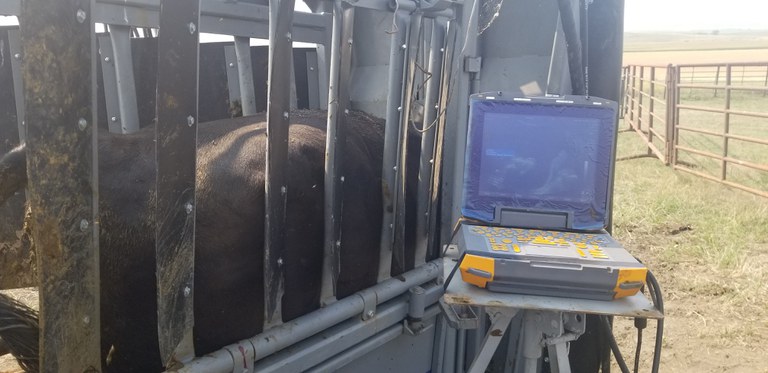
412, 63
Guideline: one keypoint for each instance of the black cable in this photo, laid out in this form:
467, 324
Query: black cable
639, 346
453, 271
658, 302
614, 345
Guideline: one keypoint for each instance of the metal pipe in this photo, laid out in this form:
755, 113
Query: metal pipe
282, 336
391, 132
126, 86
340, 360
335, 137
245, 75
412, 52
276, 188
573, 44
431, 104
339, 338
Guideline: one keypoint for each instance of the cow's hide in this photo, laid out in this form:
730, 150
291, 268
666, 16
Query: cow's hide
229, 229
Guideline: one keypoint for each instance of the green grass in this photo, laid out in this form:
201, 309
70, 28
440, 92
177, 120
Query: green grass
673, 217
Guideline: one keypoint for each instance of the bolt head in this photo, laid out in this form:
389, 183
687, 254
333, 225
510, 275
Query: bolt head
187, 291
403, 46
81, 15
17, 56
84, 225
370, 313
114, 119
231, 64
107, 59
82, 124
280, 262
86, 320
311, 68
190, 121
192, 27
188, 207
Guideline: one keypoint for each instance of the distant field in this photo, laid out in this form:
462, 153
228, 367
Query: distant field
689, 47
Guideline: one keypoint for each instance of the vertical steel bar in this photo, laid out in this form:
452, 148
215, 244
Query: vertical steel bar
109, 82
176, 145
650, 108
717, 79
245, 75
338, 112
640, 119
126, 86
276, 188
669, 118
434, 227
676, 112
14, 47
233, 79
62, 156
391, 140
633, 102
426, 169
412, 55
727, 121
313, 81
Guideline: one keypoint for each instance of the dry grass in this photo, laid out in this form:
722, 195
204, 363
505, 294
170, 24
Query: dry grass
708, 245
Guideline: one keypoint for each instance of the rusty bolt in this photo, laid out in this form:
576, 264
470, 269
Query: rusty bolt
81, 16
84, 225
82, 124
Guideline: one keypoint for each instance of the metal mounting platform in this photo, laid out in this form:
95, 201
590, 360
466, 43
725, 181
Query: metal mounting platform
549, 322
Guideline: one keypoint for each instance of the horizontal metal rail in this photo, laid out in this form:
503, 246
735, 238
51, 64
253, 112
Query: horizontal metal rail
723, 111
227, 18
724, 182
642, 113
289, 333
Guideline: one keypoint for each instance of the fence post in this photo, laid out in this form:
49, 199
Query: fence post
727, 121
671, 118
650, 109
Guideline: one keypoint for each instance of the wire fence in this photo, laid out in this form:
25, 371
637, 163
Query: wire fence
710, 120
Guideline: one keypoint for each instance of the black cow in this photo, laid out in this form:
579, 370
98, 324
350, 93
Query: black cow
229, 229
230, 235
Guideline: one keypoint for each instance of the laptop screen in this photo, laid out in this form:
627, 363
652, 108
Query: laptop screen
544, 156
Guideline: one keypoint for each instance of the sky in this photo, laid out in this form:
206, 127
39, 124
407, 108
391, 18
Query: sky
694, 15
676, 15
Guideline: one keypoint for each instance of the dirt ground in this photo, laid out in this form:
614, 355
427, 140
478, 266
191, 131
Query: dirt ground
705, 330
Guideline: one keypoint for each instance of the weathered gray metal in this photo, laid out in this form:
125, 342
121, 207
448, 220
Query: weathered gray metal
391, 140
245, 75
176, 145
278, 338
338, 112
62, 157
14, 47
276, 188
217, 17
428, 132
128, 115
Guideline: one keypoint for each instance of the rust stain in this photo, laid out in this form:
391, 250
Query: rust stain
459, 299
496, 332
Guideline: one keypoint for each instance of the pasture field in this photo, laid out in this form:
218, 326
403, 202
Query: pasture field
707, 243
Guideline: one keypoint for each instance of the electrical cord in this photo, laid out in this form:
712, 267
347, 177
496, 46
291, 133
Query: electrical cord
658, 302
614, 345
